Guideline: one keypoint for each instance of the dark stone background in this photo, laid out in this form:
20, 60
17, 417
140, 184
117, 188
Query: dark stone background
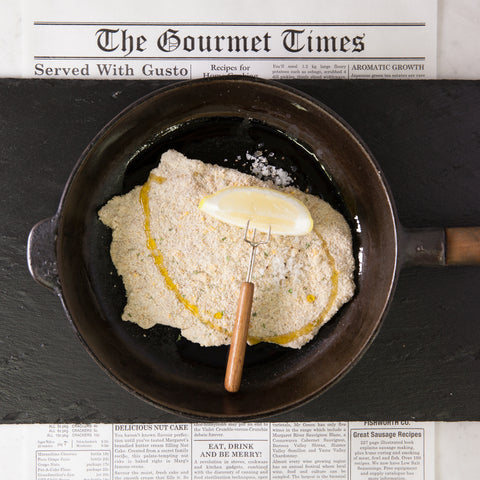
424, 364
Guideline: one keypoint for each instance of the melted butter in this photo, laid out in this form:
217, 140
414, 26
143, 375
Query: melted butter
159, 262
157, 255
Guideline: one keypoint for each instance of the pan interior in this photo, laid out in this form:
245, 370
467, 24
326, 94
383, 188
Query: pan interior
224, 141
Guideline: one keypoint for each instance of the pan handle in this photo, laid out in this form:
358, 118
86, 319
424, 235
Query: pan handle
463, 246
41, 255
440, 246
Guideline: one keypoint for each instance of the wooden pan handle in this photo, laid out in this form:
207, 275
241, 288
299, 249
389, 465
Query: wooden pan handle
463, 246
236, 355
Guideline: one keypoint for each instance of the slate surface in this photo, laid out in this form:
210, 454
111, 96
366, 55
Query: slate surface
424, 364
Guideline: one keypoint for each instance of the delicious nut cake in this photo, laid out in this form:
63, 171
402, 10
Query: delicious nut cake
183, 268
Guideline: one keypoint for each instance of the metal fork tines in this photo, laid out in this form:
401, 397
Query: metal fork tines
254, 244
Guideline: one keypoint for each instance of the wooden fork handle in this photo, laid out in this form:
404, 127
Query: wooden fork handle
236, 355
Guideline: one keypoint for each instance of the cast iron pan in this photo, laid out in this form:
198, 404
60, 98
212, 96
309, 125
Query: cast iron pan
216, 120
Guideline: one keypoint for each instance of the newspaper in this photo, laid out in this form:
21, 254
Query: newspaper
318, 42
300, 40
399, 450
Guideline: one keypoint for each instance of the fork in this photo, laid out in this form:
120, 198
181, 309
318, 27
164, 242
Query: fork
236, 354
